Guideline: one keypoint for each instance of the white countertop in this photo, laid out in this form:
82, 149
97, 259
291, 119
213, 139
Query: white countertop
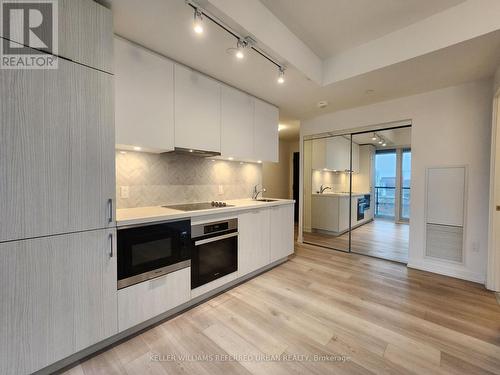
144, 215
354, 194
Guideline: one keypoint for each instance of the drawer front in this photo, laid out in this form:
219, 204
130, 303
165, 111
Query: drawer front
144, 301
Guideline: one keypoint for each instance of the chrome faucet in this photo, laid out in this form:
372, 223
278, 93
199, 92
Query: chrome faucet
322, 189
257, 192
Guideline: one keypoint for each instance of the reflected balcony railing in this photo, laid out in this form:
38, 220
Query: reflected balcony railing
385, 202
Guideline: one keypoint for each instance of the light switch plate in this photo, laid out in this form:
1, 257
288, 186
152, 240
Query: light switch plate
124, 192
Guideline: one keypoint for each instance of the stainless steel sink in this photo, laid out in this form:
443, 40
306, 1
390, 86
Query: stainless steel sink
266, 200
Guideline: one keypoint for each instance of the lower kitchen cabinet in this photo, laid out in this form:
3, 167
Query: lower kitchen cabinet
282, 225
254, 240
143, 301
57, 296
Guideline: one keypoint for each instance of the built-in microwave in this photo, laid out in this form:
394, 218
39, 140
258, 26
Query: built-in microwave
149, 251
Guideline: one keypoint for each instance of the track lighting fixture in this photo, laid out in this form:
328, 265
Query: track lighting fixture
384, 144
374, 138
380, 141
243, 43
281, 77
198, 19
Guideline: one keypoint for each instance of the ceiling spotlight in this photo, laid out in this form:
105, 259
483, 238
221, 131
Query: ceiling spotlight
230, 158
259, 161
384, 144
198, 19
240, 46
281, 77
374, 138
137, 148
380, 141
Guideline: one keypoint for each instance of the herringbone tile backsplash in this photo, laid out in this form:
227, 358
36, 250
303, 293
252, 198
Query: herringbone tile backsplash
159, 179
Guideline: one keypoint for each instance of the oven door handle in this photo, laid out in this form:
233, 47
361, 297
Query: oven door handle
213, 239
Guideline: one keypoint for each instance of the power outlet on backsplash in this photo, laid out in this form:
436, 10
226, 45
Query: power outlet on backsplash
124, 192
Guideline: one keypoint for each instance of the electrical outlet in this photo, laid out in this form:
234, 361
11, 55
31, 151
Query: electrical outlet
221, 189
124, 192
475, 246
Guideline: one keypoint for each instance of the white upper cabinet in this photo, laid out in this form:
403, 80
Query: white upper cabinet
237, 124
334, 154
266, 119
197, 110
144, 98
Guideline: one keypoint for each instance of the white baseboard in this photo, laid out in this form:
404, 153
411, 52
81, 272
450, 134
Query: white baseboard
448, 270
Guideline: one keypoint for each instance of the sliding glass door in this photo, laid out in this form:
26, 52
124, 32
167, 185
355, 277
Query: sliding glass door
327, 188
404, 214
385, 183
357, 192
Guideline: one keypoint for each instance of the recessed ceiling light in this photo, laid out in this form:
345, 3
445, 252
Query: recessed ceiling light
230, 158
137, 148
190, 150
259, 161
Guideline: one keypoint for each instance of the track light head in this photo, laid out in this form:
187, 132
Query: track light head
281, 77
240, 47
374, 138
198, 21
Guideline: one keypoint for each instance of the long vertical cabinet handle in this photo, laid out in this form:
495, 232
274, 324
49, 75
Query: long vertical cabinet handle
110, 206
111, 245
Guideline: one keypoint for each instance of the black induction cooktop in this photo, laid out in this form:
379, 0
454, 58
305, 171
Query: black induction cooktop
198, 206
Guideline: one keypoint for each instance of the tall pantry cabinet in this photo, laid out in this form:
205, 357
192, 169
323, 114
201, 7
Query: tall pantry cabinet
57, 187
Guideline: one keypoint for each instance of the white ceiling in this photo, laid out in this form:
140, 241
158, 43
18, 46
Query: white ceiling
393, 137
331, 26
165, 26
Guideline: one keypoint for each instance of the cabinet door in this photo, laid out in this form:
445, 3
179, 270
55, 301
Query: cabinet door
338, 153
58, 295
57, 162
281, 231
343, 214
197, 110
318, 154
145, 300
355, 157
266, 132
253, 241
144, 98
237, 124
84, 33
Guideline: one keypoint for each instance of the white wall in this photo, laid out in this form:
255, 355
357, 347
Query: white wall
275, 176
451, 126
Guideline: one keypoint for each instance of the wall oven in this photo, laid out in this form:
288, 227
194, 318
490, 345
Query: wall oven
153, 250
215, 251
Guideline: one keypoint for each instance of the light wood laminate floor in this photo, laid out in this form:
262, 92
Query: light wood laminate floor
382, 317
379, 238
